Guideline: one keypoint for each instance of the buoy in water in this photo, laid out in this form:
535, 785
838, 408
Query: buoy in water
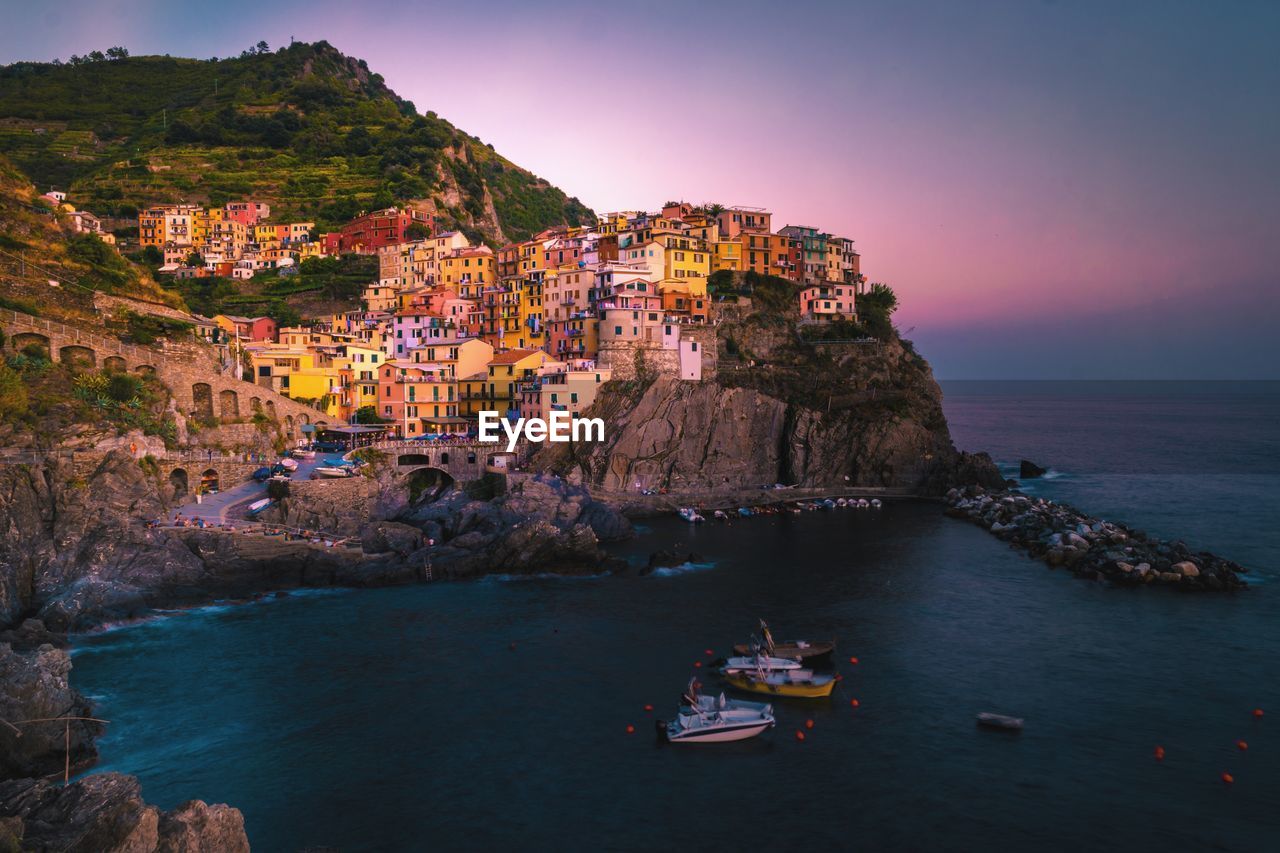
853, 703
1159, 753
648, 707
1241, 745
1257, 712
808, 724
709, 652
799, 735
631, 730
1228, 778
512, 647
697, 664
853, 661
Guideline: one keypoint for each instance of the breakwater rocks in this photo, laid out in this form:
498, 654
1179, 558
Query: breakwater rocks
1089, 547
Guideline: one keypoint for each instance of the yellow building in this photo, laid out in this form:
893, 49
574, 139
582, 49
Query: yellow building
531, 333
505, 373
726, 255
299, 373
468, 268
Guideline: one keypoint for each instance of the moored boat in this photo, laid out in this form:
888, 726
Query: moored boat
806, 651
326, 473
707, 719
758, 662
999, 721
796, 683
690, 514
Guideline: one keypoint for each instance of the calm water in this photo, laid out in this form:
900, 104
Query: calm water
399, 719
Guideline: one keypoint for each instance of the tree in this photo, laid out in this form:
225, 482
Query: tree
261, 47
117, 53
195, 259
152, 256
97, 56
417, 231
713, 210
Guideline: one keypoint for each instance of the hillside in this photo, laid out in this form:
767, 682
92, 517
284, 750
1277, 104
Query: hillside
37, 246
314, 133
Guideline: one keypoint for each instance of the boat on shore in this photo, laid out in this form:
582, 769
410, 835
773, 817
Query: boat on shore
690, 515
794, 683
333, 473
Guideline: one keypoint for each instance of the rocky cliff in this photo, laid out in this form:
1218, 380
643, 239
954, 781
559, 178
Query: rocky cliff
781, 411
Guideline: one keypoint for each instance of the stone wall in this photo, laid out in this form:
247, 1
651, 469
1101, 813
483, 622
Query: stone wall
623, 359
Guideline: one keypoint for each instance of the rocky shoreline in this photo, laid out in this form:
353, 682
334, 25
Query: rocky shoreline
1089, 547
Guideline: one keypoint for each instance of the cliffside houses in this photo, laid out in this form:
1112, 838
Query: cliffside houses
450, 328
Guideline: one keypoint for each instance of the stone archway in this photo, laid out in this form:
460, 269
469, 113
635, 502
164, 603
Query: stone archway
228, 405
145, 370
178, 482
255, 404
202, 400
306, 419
427, 484
413, 459
271, 410
209, 481
114, 364
77, 356
22, 340
288, 425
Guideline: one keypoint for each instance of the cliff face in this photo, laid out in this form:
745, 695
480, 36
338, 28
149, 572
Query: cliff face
793, 413
72, 544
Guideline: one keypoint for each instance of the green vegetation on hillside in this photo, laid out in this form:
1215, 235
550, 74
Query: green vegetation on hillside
314, 133
339, 281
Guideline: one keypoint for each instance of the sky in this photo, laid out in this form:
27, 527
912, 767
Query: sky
1054, 189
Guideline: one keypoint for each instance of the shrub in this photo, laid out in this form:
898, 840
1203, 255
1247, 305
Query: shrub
13, 392
123, 387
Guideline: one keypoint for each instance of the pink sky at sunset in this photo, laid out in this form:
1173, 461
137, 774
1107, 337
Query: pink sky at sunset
1007, 167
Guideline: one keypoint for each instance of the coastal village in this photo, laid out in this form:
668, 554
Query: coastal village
451, 328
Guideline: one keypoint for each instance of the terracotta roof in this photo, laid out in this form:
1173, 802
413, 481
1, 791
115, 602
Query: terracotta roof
512, 356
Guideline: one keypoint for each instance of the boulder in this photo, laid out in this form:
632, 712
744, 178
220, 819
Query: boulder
105, 813
1170, 577
1186, 568
1028, 470
34, 686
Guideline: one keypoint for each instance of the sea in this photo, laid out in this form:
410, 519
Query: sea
510, 712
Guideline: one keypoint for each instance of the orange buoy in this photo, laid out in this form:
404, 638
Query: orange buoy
631, 730
1159, 753
1257, 712
648, 707
1228, 778
853, 702
853, 661
1241, 745
799, 735
808, 724
697, 664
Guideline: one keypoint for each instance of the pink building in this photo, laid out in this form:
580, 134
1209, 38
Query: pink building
827, 302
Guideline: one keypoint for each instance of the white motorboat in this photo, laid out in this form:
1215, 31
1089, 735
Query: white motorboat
753, 663
290, 464
707, 719
258, 506
334, 473
301, 453
690, 514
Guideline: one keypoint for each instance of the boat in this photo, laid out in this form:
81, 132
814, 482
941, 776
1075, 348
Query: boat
289, 464
258, 506
745, 512
758, 662
262, 474
690, 514
841, 502
988, 720
707, 719
301, 453
828, 504
810, 652
720, 515
327, 473
796, 683
875, 503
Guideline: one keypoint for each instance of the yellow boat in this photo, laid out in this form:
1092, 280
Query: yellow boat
799, 683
